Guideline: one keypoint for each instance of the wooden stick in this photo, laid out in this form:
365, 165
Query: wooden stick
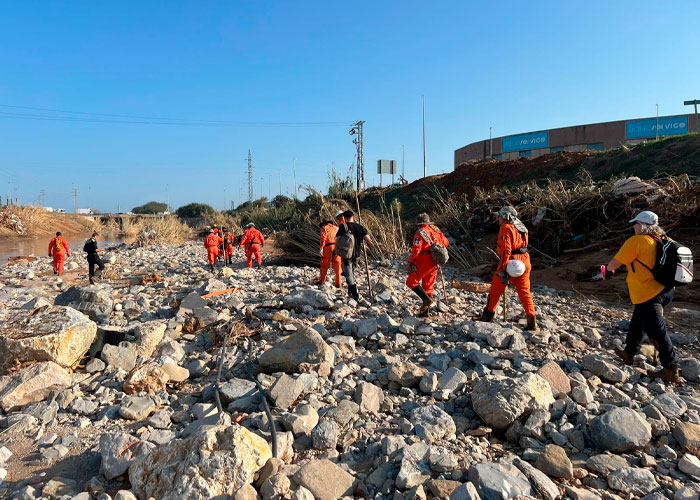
364, 249
505, 295
444, 289
219, 292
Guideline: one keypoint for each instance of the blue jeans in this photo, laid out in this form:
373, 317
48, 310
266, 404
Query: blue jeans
649, 317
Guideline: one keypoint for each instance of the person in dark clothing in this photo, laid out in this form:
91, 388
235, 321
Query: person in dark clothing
360, 234
92, 257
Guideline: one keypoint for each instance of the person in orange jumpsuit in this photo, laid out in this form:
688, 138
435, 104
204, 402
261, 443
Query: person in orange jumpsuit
228, 245
328, 232
211, 243
512, 244
253, 240
421, 266
218, 232
59, 249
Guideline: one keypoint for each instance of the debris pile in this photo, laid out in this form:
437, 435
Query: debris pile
366, 400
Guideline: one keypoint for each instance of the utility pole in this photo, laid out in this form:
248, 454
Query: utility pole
75, 201
357, 129
403, 162
695, 103
424, 167
294, 167
657, 122
250, 177
490, 144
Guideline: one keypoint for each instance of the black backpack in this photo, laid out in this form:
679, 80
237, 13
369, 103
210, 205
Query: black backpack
674, 263
345, 244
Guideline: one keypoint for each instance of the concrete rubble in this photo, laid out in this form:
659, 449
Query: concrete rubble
109, 391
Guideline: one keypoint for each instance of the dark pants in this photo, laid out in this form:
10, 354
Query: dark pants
649, 317
348, 271
91, 264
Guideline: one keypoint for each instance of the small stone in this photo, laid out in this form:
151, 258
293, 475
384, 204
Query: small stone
325, 435
554, 462
620, 430
286, 391
556, 377
369, 397
690, 464
136, 407
95, 365
633, 480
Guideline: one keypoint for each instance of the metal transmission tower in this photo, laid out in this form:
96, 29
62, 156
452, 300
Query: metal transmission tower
357, 130
250, 177
75, 201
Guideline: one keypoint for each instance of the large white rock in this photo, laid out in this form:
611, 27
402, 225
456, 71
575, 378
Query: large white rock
59, 334
33, 384
148, 336
306, 346
213, 462
499, 401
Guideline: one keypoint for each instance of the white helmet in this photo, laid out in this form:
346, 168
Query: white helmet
515, 268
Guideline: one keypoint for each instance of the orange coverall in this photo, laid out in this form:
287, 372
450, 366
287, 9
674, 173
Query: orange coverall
58, 248
328, 233
509, 239
253, 240
211, 243
426, 269
229, 247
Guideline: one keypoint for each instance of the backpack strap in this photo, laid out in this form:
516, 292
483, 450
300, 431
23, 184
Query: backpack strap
425, 236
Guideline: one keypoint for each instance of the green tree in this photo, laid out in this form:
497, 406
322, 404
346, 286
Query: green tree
281, 200
194, 210
152, 207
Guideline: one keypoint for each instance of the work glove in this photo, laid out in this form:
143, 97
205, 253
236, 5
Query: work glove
504, 277
606, 273
50, 255
411, 267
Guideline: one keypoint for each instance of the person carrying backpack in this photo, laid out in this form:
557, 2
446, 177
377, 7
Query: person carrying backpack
58, 249
348, 245
211, 243
228, 245
421, 266
253, 240
93, 258
649, 296
328, 259
513, 267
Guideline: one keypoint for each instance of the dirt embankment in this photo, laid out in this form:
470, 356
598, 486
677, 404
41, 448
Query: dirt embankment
18, 221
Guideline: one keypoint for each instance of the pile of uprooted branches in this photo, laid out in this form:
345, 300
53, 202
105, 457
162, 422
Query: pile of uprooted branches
568, 216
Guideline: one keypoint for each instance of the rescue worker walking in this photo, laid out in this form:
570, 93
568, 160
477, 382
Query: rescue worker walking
421, 267
253, 240
93, 258
218, 232
649, 296
360, 235
512, 245
328, 232
228, 245
211, 243
59, 249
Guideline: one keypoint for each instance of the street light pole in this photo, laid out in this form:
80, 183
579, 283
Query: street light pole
695, 103
657, 122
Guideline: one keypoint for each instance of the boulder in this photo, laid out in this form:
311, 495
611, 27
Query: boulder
634, 480
688, 436
620, 430
432, 423
305, 346
500, 401
556, 377
324, 479
606, 463
214, 462
406, 374
175, 373
95, 301
236, 388
58, 334
118, 450
307, 297
192, 301
467, 491
148, 336
604, 368
670, 405
33, 384
136, 407
286, 390
149, 378
538, 479
122, 356
690, 464
554, 462
496, 481
369, 397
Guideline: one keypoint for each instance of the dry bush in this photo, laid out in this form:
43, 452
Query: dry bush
35, 221
165, 230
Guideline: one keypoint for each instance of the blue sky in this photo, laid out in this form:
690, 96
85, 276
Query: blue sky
516, 66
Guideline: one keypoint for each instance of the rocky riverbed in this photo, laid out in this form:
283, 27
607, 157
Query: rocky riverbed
109, 391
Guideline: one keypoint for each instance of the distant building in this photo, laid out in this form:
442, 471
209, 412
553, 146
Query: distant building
596, 136
84, 211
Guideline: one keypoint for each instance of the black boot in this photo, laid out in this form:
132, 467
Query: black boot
427, 301
92, 281
486, 316
352, 290
211, 267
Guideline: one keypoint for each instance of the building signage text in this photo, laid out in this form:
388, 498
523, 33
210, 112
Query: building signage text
533, 140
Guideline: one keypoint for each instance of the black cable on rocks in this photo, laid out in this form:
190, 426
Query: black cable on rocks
217, 385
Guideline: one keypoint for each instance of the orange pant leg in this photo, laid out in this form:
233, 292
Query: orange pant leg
429, 280
326, 258
426, 272
497, 288
229, 250
249, 256
59, 259
257, 253
337, 264
522, 287
212, 253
